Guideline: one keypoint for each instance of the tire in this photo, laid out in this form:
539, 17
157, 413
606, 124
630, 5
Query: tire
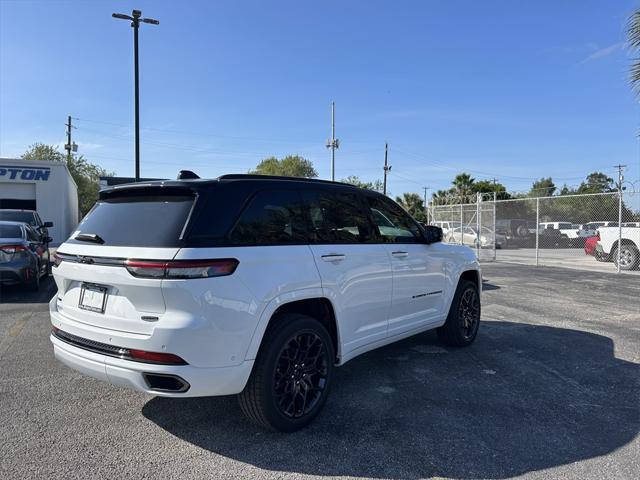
463, 321
271, 399
33, 285
630, 257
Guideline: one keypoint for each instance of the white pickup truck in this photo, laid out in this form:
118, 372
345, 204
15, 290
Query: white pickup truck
607, 247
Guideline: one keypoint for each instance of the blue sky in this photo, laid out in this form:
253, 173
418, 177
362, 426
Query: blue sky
504, 89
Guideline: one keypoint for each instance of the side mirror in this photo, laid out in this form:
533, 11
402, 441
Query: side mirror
432, 234
48, 224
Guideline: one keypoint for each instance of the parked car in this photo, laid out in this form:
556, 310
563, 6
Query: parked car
24, 257
445, 225
568, 229
469, 236
631, 224
29, 217
517, 232
251, 285
552, 238
629, 244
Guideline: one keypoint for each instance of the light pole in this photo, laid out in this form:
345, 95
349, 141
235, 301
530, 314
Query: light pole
135, 19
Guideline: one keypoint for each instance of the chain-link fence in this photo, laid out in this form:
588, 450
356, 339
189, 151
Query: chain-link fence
588, 231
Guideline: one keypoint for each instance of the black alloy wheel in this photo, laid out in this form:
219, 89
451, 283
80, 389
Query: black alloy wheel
300, 376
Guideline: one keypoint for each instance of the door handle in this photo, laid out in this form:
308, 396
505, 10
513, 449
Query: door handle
333, 257
400, 254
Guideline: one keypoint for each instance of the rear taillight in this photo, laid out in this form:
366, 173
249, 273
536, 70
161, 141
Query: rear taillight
13, 248
180, 269
57, 260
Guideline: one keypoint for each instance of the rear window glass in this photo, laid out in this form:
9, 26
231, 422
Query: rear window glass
26, 217
10, 231
272, 218
140, 221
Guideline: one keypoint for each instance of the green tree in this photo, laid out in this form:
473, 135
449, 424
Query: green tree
376, 185
441, 197
412, 203
289, 166
463, 184
85, 174
633, 35
597, 182
543, 188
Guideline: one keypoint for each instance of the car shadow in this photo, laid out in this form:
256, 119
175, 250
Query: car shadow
523, 398
20, 294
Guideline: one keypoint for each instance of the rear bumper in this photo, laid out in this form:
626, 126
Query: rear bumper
202, 382
15, 272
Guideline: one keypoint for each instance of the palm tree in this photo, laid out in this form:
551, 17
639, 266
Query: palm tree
633, 34
463, 184
412, 203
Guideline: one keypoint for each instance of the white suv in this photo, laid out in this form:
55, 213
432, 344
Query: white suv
251, 285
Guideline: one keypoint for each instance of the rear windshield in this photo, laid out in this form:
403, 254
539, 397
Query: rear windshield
26, 217
10, 231
138, 221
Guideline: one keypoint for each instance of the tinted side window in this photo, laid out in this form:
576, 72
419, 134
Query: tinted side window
394, 225
273, 217
32, 236
337, 218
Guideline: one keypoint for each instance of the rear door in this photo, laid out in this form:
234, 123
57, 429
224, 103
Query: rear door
355, 271
418, 271
94, 287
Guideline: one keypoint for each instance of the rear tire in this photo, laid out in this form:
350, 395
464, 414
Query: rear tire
630, 257
33, 285
463, 320
291, 376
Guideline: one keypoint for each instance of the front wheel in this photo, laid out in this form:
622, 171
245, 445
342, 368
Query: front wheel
463, 320
291, 376
629, 257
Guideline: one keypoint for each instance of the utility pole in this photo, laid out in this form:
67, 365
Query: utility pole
387, 168
620, 180
69, 146
334, 143
135, 19
426, 205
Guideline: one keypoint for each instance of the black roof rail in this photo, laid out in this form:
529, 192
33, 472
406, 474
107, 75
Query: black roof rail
252, 176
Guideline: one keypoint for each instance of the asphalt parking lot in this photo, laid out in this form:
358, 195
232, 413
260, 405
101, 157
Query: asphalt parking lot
551, 389
556, 257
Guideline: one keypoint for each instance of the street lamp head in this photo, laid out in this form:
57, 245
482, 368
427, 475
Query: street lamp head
121, 16
150, 20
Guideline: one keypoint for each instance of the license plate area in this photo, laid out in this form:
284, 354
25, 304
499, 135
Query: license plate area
92, 297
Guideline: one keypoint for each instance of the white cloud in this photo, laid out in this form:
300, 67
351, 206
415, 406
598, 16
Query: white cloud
602, 52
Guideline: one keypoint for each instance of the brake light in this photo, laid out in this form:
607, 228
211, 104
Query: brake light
13, 248
181, 269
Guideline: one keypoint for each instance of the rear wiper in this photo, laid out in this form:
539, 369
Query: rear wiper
89, 237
